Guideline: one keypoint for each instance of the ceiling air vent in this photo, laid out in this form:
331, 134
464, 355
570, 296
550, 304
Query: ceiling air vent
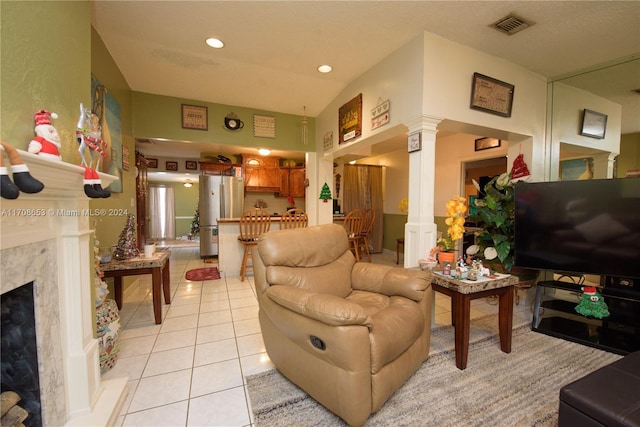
511, 25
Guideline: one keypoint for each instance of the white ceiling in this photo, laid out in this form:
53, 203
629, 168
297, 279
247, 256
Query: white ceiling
272, 48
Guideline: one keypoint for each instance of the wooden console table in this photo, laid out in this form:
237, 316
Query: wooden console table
157, 266
462, 292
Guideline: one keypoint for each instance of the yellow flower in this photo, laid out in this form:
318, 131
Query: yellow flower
404, 205
456, 208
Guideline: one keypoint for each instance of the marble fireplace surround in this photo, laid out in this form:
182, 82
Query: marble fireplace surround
45, 238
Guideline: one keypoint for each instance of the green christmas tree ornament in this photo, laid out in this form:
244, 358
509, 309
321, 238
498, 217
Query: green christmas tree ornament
325, 193
592, 304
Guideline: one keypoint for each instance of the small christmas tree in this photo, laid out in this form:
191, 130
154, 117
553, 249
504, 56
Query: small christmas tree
325, 193
127, 247
195, 224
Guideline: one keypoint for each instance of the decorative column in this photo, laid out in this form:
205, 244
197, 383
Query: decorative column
421, 231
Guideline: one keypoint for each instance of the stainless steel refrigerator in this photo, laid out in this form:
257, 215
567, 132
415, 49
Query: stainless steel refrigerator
220, 197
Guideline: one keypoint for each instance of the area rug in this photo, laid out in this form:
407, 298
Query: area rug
498, 389
198, 274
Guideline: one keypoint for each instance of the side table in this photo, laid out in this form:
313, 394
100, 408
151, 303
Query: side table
462, 292
157, 266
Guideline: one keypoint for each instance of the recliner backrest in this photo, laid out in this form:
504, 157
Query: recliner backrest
314, 258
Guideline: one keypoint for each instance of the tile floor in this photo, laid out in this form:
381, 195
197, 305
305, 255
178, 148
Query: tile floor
189, 371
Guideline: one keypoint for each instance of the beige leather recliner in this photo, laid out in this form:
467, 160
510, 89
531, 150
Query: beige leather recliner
349, 334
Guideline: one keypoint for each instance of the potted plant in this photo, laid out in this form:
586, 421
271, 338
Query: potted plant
496, 216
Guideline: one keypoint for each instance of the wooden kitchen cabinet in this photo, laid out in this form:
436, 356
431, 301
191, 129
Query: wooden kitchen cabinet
261, 174
292, 182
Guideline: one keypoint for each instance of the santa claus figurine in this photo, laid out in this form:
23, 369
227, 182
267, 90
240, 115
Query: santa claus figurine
47, 140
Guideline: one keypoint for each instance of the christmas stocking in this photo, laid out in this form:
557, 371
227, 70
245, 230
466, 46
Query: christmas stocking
97, 185
92, 184
22, 179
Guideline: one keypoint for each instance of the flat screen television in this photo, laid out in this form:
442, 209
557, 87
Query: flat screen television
579, 227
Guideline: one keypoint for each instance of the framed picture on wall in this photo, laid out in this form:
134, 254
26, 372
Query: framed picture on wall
491, 95
152, 163
191, 165
350, 120
594, 124
172, 166
195, 117
414, 142
486, 143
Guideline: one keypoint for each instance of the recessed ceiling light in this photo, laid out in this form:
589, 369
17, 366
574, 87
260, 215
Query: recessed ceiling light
325, 68
264, 151
352, 162
214, 43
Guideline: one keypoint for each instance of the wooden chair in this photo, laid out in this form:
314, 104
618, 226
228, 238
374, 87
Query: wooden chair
353, 223
367, 226
253, 223
294, 218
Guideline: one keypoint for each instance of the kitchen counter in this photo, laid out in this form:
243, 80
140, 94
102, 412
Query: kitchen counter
230, 250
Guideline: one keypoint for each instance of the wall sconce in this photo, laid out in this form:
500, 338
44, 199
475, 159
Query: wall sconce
188, 183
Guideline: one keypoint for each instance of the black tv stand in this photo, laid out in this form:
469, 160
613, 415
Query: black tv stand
619, 333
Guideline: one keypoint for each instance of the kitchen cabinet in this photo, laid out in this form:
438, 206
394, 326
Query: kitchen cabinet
261, 174
292, 182
228, 169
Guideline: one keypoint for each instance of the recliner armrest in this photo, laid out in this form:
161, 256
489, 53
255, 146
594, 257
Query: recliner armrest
326, 308
390, 281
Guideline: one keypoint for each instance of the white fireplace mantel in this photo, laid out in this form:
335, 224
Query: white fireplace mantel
45, 238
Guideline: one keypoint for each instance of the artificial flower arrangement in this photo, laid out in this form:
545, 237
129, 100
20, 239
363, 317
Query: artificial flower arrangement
456, 208
496, 213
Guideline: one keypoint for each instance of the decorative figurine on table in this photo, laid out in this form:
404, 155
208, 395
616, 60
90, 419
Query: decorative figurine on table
592, 304
88, 135
22, 179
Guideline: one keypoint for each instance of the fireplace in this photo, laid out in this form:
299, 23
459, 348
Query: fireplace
43, 245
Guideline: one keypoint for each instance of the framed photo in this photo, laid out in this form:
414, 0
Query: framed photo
594, 124
491, 95
486, 143
414, 142
152, 163
576, 169
191, 165
172, 166
195, 117
350, 120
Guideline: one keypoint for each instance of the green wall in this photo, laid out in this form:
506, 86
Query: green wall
393, 228
46, 49
158, 116
629, 153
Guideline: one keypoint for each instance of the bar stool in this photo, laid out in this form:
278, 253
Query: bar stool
365, 233
353, 223
253, 223
294, 218
399, 242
